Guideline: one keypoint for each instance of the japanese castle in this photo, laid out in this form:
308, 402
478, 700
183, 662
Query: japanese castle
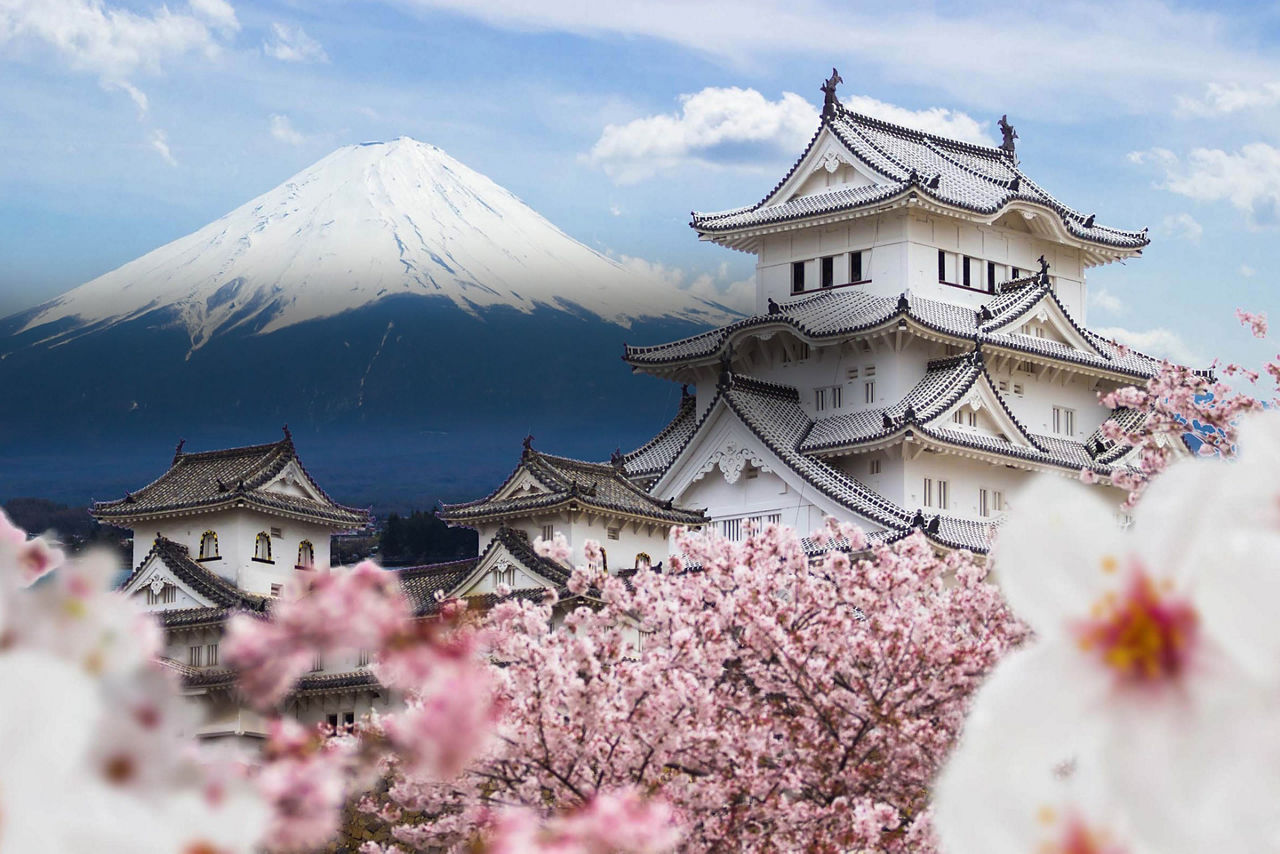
918, 351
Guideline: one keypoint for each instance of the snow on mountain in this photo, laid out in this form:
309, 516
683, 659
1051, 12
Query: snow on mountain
367, 222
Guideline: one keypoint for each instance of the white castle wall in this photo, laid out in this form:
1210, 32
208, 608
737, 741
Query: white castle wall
237, 532
901, 252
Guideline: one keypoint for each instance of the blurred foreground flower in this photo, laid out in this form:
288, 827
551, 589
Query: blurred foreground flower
1145, 716
96, 745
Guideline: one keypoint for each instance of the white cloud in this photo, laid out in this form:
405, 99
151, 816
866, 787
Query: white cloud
1161, 343
1220, 99
615, 210
1090, 58
1247, 271
115, 43
160, 143
1182, 226
292, 44
1105, 300
739, 296
742, 127
1249, 178
283, 130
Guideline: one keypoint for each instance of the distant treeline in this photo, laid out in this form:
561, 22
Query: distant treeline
416, 538
422, 538
73, 527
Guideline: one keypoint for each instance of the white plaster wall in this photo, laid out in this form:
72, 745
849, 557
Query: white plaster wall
762, 495
1034, 408
964, 477
902, 253
237, 531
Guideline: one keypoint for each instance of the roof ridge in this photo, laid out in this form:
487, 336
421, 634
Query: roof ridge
884, 124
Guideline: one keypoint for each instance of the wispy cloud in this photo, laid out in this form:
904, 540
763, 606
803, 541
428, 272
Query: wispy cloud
160, 143
1120, 56
743, 128
1182, 226
1249, 178
1161, 343
283, 130
114, 43
739, 296
1105, 300
1221, 99
292, 44
1247, 271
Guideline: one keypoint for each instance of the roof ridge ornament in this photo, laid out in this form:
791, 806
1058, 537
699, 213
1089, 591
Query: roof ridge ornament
1044, 270
774, 308
829, 102
528, 444
1009, 135
177, 452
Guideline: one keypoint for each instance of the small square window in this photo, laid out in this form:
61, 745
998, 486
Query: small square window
548, 533
276, 590
615, 533
873, 467
276, 532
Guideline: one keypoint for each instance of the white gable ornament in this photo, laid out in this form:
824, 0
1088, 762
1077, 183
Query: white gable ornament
732, 458
156, 585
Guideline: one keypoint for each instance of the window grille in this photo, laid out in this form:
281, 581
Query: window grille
208, 545
306, 555
262, 548
194, 655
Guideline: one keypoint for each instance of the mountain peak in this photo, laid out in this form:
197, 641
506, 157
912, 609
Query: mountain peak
366, 222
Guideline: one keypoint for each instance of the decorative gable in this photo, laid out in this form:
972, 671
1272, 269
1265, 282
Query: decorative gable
293, 481
155, 587
1047, 321
523, 484
982, 411
828, 165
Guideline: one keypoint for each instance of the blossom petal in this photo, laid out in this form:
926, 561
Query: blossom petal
1027, 748
1051, 573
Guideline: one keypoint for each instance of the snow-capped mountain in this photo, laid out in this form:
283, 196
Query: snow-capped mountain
406, 316
366, 222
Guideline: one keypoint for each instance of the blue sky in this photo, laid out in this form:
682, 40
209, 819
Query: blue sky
124, 125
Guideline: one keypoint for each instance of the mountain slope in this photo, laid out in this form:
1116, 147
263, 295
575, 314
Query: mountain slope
364, 223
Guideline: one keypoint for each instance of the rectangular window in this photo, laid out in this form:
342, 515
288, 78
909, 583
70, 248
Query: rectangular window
802, 351
349, 719
957, 417
928, 492
855, 267
332, 720
836, 394
1064, 421
797, 277
548, 533
869, 391
984, 508
211, 654
1017, 389
615, 533
997, 501
852, 373
991, 276
819, 399
276, 532
194, 655
1015, 273
942, 495
731, 529
869, 371
828, 271
873, 467
966, 271
317, 663
1003, 385
942, 266
276, 589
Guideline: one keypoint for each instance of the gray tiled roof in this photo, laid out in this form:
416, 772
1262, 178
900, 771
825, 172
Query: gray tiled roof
972, 177
838, 312
773, 413
221, 593
653, 457
600, 485
212, 480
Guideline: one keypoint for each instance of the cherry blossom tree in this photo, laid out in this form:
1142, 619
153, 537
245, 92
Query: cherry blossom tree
1182, 401
773, 702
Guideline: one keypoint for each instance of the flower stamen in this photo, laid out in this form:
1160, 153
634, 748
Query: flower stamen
1145, 634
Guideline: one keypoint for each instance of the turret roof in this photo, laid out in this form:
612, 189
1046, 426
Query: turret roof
234, 477
837, 313
909, 162
600, 486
